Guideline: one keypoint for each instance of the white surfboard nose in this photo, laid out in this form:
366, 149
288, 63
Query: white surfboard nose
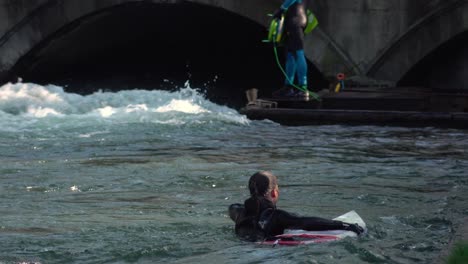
352, 217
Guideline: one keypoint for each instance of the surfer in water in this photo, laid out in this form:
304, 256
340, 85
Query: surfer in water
258, 219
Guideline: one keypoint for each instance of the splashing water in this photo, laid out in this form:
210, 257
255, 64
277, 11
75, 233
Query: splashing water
26, 103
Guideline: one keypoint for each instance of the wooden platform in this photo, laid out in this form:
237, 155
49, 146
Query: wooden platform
369, 107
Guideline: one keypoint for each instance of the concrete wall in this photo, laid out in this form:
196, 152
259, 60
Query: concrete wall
381, 39
442, 23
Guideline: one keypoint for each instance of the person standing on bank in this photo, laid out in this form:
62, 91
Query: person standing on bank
296, 64
258, 218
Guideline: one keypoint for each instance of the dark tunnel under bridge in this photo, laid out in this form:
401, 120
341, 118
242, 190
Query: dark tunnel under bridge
217, 46
159, 46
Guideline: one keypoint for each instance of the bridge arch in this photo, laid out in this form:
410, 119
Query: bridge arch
53, 16
42, 24
424, 37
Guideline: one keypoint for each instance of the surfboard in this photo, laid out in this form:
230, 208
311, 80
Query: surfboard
302, 237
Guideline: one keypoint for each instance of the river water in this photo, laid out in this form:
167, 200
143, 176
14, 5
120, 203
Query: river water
146, 177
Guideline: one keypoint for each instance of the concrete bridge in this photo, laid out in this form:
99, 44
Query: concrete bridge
376, 39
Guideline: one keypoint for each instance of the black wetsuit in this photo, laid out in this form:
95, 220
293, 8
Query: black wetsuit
258, 219
295, 24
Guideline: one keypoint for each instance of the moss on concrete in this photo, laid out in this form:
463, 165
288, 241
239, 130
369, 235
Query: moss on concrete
459, 254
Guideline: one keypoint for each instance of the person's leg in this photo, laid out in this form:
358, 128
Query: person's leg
296, 47
301, 68
290, 69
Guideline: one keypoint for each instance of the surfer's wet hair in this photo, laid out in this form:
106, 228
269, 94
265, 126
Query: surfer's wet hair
262, 183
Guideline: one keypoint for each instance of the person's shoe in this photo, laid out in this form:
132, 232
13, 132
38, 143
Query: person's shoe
290, 93
302, 95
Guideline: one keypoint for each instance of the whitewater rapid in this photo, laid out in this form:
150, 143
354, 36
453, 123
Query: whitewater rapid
23, 105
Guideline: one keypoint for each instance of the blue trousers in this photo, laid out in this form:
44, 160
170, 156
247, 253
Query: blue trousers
296, 65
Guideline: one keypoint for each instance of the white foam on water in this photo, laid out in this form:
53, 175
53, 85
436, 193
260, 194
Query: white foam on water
106, 111
182, 106
23, 105
41, 112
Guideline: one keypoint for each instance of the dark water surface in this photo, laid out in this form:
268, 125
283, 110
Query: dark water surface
146, 177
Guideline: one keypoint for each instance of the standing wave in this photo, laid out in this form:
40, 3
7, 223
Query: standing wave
26, 102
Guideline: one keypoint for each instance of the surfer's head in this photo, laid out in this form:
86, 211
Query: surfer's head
264, 184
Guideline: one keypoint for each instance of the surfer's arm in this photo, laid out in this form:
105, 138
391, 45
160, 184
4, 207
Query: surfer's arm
236, 212
290, 221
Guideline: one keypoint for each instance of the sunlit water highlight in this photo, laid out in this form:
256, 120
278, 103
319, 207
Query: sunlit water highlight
146, 176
